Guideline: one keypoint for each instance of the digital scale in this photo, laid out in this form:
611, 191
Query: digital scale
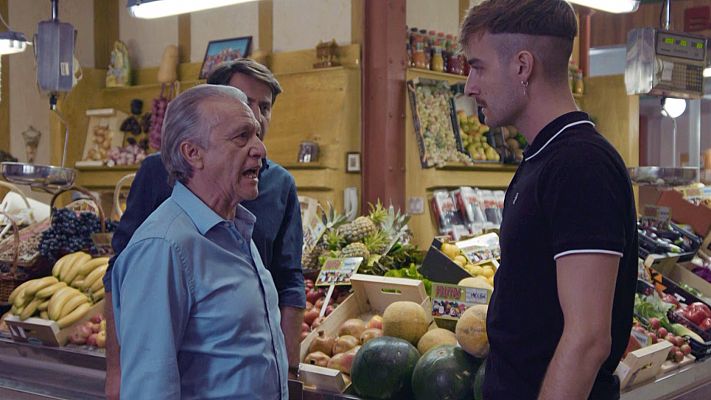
665, 63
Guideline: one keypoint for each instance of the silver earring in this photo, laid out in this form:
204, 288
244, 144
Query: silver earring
525, 87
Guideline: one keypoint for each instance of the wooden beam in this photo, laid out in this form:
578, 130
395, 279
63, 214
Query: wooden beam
4, 88
184, 38
463, 8
266, 26
357, 23
106, 30
584, 40
383, 104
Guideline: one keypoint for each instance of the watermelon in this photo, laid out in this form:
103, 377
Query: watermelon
382, 368
479, 382
445, 372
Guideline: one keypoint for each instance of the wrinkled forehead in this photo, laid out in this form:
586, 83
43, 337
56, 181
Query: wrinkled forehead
217, 110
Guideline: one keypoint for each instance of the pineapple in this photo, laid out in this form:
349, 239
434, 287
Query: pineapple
309, 260
357, 230
377, 213
331, 220
356, 249
377, 243
333, 240
394, 224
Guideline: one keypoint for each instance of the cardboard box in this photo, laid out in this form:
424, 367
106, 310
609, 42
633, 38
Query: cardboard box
698, 217
643, 364
46, 331
371, 295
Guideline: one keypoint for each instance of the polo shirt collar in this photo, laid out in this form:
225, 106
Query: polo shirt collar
204, 217
555, 128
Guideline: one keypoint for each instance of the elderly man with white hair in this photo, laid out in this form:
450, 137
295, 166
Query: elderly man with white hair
197, 313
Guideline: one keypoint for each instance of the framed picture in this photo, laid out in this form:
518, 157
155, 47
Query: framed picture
219, 51
353, 162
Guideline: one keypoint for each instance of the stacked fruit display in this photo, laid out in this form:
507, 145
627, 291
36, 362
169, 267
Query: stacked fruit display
90, 333
338, 351
474, 140
71, 232
315, 298
66, 296
392, 367
369, 236
485, 270
657, 332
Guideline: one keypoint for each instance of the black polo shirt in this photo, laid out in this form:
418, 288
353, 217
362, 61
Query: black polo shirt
572, 194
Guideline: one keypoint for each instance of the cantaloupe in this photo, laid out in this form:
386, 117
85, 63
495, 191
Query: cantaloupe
471, 331
406, 320
435, 337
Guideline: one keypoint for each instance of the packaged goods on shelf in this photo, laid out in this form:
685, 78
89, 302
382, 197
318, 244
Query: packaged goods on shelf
435, 123
466, 211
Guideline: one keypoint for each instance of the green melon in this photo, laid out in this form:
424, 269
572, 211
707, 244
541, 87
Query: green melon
479, 382
382, 368
445, 372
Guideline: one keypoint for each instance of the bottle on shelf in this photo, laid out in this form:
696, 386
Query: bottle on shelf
437, 59
429, 52
419, 59
447, 53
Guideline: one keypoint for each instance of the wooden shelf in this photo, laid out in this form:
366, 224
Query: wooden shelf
303, 166
149, 86
426, 73
487, 167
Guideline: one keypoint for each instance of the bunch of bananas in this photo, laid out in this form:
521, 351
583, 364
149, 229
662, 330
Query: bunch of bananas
66, 296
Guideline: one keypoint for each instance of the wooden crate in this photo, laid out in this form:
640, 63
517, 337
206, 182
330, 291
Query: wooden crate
46, 331
371, 295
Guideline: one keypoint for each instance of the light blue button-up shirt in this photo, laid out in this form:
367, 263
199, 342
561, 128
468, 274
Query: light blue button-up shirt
196, 312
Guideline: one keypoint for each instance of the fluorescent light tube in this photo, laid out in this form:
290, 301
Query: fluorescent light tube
149, 9
611, 6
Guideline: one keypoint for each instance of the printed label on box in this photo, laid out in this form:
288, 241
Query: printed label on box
450, 301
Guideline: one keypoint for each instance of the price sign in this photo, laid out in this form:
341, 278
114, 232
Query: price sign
660, 214
338, 271
450, 301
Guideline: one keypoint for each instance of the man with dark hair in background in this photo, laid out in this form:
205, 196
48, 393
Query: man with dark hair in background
277, 233
561, 312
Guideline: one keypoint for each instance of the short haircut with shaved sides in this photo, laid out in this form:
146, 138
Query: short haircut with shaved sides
547, 28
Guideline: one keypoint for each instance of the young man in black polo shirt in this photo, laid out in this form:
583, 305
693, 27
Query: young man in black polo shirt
561, 312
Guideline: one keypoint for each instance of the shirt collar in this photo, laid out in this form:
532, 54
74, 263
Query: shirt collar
554, 128
205, 218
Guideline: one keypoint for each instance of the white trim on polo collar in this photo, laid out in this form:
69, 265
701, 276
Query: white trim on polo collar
556, 135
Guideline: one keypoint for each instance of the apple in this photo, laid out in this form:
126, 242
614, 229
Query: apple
662, 332
91, 340
685, 348
305, 327
654, 323
97, 318
375, 322
101, 340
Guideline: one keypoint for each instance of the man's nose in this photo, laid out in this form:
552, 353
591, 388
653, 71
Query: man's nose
258, 149
470, 88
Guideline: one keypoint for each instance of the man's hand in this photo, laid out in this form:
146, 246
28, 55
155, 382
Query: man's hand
113, 360
291, 319
586, 289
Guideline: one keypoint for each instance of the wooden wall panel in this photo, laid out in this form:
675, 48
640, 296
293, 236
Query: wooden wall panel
106, 30
4, 89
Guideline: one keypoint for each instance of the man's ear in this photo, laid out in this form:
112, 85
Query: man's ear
193, 154
524, 65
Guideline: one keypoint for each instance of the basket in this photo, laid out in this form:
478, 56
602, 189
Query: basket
117, 193
102, 239
10, 280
